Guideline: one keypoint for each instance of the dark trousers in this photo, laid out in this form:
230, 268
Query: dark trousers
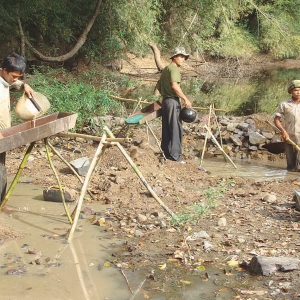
3, 176
292, 158
171, 128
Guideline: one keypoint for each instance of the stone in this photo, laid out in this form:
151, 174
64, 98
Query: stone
81, 165
243, 126
231, 126
267, 134
142, 218
256, 138
270, 198
267, 265
236, 140
222, 222
206, 245
296, 198
53, 194
138, 233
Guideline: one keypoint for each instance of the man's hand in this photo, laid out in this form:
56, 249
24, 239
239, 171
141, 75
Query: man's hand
187, 103
28, 90
285, 135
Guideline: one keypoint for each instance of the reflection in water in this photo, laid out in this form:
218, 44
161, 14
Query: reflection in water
256, 170
238, 96
56, 269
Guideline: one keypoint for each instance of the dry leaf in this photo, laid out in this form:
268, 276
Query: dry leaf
185, 282
260, 293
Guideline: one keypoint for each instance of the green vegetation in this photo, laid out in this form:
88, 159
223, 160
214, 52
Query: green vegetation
192, 214
224, 28
82, 95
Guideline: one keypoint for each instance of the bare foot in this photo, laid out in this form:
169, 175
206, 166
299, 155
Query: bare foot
5, 208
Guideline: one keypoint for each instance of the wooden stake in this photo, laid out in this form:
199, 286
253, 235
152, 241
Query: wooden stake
136, 170
294, 144
216, 142
58, 181
71, 168
94, 138
17, 176
206, 135
219, 130
147, 102
85, 185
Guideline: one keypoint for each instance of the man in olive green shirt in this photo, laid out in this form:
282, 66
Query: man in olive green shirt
169, 87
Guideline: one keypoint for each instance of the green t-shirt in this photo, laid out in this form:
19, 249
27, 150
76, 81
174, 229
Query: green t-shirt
169, 74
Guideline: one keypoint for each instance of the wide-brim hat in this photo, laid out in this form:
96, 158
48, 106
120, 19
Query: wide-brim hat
294, 84
179, 50
28, 110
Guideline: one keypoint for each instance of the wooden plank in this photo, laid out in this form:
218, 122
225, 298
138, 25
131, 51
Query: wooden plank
149, 112
35, 130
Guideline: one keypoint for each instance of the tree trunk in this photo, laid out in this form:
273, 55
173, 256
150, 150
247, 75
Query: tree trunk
22, 42
156, 53
76, 48
22, 38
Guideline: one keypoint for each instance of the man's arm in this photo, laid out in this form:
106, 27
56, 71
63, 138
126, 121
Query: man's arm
278, 124
177, 89
22, 85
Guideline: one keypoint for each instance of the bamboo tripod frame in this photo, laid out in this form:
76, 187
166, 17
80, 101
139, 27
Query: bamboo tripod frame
103, 144
210, 134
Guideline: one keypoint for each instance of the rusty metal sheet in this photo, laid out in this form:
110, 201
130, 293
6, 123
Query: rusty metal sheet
35, 130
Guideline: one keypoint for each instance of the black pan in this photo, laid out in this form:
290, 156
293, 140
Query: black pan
275, 148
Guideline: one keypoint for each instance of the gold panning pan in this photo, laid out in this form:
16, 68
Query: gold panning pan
30, 108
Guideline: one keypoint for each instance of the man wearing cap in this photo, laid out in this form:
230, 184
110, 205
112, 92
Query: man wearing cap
169, 87
287, 120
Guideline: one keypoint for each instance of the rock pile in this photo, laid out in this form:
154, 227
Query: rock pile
241, 137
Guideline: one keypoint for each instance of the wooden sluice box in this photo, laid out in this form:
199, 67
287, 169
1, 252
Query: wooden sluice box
35, 130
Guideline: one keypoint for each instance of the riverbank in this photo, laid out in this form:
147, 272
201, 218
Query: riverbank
223, 220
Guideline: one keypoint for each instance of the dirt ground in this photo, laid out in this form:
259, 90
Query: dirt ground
241, 217
248, 217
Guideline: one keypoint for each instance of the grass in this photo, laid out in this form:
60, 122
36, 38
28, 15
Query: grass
87, 94
192, 214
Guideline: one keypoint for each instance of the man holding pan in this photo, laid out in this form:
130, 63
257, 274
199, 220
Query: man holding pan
13, 68
287, 120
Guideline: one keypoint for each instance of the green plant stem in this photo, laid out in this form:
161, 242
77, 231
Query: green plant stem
17, 176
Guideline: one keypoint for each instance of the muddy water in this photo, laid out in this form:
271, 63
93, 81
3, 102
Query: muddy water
57, 270
257, 170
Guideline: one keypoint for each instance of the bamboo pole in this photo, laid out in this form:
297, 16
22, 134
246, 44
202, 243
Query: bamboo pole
147, 102
68, 165
94, 138
293, 144
288, 140
206, 136
58, 180
79, 273
85, 185
136, 170
219, 130
157, 142
17, 176
93, 169
216, 142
